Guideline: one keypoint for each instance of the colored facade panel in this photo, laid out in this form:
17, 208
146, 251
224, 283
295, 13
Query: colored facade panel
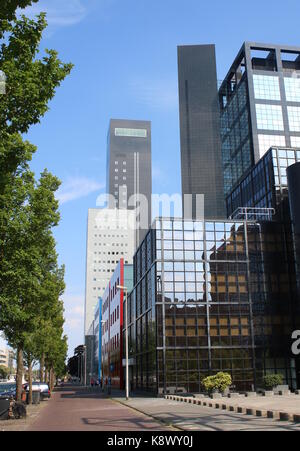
112, 325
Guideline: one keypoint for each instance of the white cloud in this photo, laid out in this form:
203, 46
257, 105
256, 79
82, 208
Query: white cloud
78, 310
77, 187
73, 324
74, 318
157, 94
157, 173
60, 13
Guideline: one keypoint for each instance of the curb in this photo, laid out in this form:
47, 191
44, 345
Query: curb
158, 420
259, 413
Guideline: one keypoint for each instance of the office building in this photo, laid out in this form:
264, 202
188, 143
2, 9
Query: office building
260, 106
129, 169
212, 296
112, 325
265, 185
293, 174
6, 358
110, 237
201, 160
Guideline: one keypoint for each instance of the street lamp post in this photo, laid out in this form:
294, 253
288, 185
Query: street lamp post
84, 380
120, 287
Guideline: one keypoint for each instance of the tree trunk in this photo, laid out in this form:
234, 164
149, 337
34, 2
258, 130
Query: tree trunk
19, 377
30, 380
46, 376
42, 364
51, 379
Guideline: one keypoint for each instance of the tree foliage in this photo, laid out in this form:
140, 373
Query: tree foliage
31, 281
219, 381
4, 372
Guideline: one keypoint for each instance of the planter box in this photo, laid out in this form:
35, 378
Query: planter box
216, 396
284, 392
233, 395
250, 394
268, 393
4, 409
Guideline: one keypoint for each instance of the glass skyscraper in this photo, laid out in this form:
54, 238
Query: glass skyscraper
201, 162
265, 185
212, 296
260, 106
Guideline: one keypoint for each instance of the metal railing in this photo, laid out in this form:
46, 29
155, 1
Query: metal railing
253, 213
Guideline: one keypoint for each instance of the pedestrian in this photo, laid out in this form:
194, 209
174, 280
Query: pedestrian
92, 382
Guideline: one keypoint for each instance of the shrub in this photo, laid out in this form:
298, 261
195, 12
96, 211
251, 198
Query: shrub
272, 380
219, 382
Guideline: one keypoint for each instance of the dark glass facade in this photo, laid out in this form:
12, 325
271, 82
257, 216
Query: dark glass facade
265, 185
209, 297
260, 107
201, 160
129, 168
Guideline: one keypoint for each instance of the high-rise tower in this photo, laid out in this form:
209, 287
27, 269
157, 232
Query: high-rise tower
201, 162
260, 106
129, 170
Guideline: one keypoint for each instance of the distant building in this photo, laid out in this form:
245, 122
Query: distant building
7, 358
112, 325
110, 238
201, 159
129, 168
260, 106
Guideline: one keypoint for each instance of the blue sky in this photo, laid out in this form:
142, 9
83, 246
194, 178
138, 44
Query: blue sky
125, 56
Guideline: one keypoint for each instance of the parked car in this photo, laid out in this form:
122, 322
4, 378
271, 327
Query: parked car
8, 394
39, 386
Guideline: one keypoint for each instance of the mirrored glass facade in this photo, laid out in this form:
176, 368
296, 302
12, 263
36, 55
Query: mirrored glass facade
269, 117
266, 87
265, 186
292, 89
202, 303
260, 107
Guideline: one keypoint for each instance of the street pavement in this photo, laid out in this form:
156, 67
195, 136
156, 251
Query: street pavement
190, 417
76, 409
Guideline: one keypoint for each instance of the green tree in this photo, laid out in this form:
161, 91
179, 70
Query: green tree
8, 9
4, 372
25, 270
31, 83
28, 210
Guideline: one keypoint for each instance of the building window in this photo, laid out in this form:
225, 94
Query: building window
269, 117
292, 89
295, 141
267, 141
131, 132
294, 118
266, 87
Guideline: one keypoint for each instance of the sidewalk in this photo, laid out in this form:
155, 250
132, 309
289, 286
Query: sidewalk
191, 417
289, 404
33, 411
87, 409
